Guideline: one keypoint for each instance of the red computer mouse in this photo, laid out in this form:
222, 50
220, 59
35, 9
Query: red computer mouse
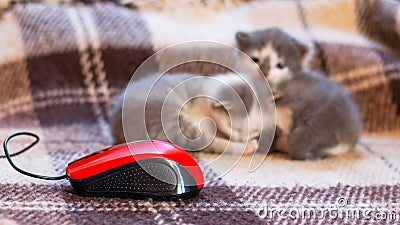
141, 169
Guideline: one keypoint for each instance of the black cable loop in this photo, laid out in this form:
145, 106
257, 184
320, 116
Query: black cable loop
8, 156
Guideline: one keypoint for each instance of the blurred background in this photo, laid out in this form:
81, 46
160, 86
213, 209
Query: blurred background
62, 62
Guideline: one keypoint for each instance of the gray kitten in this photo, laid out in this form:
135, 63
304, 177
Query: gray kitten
190, 113
316, 117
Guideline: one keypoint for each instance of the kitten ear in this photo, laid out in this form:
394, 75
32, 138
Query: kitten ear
242, 37
304, 49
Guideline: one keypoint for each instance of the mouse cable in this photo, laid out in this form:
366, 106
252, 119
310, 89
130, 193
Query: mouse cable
8, 156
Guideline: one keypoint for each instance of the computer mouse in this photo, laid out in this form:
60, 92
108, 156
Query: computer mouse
142, 169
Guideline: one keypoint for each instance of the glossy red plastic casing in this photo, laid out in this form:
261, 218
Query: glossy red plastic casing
119, 155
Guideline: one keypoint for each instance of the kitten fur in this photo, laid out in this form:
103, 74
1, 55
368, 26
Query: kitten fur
191, 114
316, 118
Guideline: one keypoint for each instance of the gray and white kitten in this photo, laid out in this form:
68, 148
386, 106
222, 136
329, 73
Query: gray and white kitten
316, 117
190, 113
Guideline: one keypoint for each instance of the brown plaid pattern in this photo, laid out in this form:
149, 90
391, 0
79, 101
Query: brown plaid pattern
61, 64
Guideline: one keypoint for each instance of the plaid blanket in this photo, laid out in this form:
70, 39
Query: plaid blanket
62, 64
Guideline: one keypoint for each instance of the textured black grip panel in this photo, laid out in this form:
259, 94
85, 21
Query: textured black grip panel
137, 179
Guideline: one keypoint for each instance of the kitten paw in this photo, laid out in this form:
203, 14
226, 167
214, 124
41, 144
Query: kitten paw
251, 147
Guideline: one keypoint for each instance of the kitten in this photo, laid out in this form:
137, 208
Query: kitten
191, 114
316, 117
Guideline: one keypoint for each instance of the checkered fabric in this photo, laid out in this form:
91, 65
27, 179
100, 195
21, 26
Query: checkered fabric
62, 64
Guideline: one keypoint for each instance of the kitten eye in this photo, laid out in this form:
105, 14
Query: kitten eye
256, 60
281, 65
